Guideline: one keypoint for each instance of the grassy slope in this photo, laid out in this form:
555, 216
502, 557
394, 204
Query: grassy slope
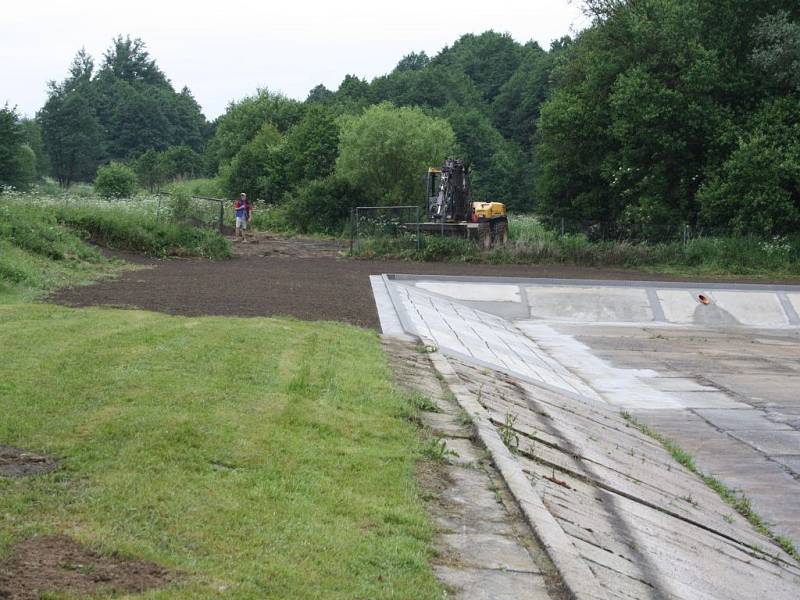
270, 457
37, 254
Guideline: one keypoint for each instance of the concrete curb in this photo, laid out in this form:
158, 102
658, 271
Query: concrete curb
577, 577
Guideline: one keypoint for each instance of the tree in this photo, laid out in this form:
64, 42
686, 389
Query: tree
515, 109
149, 168
128, 60
757, 190
386, 150
17, 160
71, 134
488, 59
248, 171
244, 119
648, 103
777, 50
181, 162
319, 94
32, 132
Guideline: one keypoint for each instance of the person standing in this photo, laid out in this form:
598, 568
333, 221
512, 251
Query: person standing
243, 215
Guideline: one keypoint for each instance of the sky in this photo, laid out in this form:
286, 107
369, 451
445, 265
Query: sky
227, 49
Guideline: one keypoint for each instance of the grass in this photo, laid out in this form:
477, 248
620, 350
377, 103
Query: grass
267, 457
38, 254
739, 502
143, 224
530, 242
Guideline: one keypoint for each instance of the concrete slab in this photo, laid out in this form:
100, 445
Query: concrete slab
794, 298
482, 292
488, 551
445, 425
587, 304
487, 584
462, 452
790, 462
720, 380
739, 419
678, 305
757, 309
771, 443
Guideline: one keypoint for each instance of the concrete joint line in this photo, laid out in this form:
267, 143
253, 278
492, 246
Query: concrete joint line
575, 573
788, 308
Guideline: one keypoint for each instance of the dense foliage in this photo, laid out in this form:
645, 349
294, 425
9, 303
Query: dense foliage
661, 113
18, 161
677, 111
123, 109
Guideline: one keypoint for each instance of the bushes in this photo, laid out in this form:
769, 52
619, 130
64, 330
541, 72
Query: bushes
115, 180
322, 206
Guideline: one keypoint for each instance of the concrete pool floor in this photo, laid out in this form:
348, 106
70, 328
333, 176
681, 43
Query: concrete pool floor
721, 379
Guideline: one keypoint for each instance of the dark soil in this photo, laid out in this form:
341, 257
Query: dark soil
57, 564
16, 462
300, 277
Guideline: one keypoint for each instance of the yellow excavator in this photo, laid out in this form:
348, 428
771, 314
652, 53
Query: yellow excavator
451, 210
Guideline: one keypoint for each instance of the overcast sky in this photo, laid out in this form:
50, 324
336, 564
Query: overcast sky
226, 49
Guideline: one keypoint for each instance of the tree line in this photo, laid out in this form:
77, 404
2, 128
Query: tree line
661, 111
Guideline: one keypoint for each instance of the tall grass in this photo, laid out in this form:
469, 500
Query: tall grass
37, 253
143, 224
530, 242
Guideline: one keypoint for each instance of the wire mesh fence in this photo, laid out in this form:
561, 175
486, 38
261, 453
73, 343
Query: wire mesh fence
198, 211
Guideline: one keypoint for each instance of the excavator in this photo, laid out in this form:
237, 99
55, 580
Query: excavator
452, 211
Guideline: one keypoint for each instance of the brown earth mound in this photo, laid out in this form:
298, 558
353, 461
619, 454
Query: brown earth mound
57, 564
16, 462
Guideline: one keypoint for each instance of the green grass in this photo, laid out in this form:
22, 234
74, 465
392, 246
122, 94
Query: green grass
141, 224
530, 242
739, 502
38, 254
267, 457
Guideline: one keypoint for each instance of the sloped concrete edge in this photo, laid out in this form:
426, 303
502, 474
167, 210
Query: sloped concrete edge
578, 579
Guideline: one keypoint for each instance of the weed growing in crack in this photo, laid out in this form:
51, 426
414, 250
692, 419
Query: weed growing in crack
422, 402
739, 502
507, 433
436, 449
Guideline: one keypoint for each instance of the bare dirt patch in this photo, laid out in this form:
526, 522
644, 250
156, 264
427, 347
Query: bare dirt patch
16, 462
306, 278
270, 245
58, 564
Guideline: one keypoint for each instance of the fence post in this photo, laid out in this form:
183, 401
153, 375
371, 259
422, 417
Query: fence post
357, 240
221, 214
562, 226
417, 218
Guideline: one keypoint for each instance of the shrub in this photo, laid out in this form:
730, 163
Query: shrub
115, 180
386, 151
322, 206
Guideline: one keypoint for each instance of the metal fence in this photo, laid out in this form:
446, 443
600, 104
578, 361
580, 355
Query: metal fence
199, 211
598, 231
398, 225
